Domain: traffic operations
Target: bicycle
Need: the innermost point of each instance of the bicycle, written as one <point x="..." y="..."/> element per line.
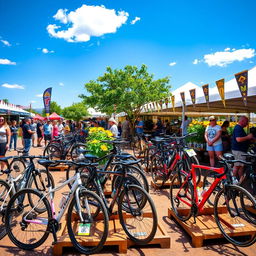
<point x="170" y="155"/>
<point x="59" y="148"/>
<point x="233" y="205"/>
<point x="31" y="177"/>
<point x="28" y="228"/>
<point x="136" y="209"/>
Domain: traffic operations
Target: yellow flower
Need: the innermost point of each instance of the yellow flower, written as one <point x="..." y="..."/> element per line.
<point x="101" y="129"/>
<point x="109" y="133"/>
<point x="104" y="147"/>
<point x="94" y="141"/>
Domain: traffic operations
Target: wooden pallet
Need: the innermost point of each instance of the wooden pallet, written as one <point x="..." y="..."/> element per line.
<point x="58" y="167"/>
<point x="116" y="237"/>
<point x="167" y="184"/>
<point x="206" y="228"/>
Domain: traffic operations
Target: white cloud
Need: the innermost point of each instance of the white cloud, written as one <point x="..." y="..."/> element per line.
<point x="13" y="86"/>
<point x="196" y="61"/>
<point x="85" y="22"/>
<point x="222" y="59"/>
<point x="227" y="49"/>
<point x="61" y="84"/>
<point x="45" y="50"/>
<point x="32" y="101"/>
<point x="39" y="95"/>
<point x="7" y="62"/>
<point x="172" y="64"/>
<point x="135" y="20"/>
<point x="5" y="42"/>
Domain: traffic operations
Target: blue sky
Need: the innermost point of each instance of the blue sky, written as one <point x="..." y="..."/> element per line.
<point x="65" y="43"/>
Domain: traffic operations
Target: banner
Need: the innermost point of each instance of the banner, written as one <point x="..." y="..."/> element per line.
<point x="182" y="95"/>
<point x="206" y="93"/>
<point x="173" y="102"/>
<point x="166" y="102"/>
<point x="47" y="100"/>
<point x="220" y="85"/>
<point x="193" y="96"/>
<point x="161" y="104"/>
<point x="242" y="81"/>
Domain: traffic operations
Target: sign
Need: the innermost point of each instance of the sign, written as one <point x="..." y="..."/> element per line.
<point x="182" y="95"/>
<point x="166" y="102"/>
<point x="193" y="96"/>
<point x="173" y="102"/>
<point x="220" y="85"/>
<point x="47" y="100"/>
<point x="242" y="81"/>
<point x="206" y="93"/>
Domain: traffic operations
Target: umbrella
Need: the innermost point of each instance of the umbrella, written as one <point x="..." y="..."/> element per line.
<point x="38" y="117"/>
<point x="54" y="116"/>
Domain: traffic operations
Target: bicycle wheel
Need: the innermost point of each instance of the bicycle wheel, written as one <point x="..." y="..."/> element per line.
<point x="17" y="166"/>
<point x="5" y="196"/>
<point x="138" y="218"/>
<point x="135" y="172"/>
<point x="231" y="211"/>
<point x="25" y="227"/>
<point x="39" y="181"/>
<point x="209" y="178"/>
<point x="158" y="171"/>
<point x="53" y="152"/>
<point x="75" y="153"/>
<point x="137" y="148"/>
<point x="88" y="235"/>
<point x="188" y="163"/>
<point x="181" y="196"/>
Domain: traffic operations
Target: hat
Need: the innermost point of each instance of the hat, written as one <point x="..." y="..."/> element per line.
<point x="212" y="118"/>
<point x="112" y="120"/>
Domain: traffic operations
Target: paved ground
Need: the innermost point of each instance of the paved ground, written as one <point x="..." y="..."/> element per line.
<point x="180" y="241"/>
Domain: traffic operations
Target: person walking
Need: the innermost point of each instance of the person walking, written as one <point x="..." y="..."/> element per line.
<point x="27" y="136"/>
<point x="14" y="134"/>
<point x="213" y="140"/>
<point x="239" y="144"/>
<point x="47" y="132"/>
<point x="5" y="137"/>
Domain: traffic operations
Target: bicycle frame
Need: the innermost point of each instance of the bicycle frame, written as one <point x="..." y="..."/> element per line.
<point x="208" y="192"/>
<point x="77" y="183"/>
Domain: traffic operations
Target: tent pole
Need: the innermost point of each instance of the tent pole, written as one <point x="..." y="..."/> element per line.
<point x="183" y="118"/>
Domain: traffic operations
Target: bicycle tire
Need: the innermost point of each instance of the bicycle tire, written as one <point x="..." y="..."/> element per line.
<point x="17" y="166"/>
<point x="15" y="210"/>
<point x="73" y="153"/>
<point x="157" y="170"/>
<point x="137" y="173"/>
<point x="53" y="152"/>
<point x="230" y="217"/>
<point x="40" y="188"/>
<point x="72" y="217"/>
<point x="188" y="162"/>
<point x="140" y="213"/>
<point x="181" y="208"/>
<point x="4" y="199"/>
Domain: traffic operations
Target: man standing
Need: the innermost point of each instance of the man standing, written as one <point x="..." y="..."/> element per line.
<point x="184" y="126"/>
<point x="27" y="136"/>
<point x="139" y="126"/>
<point x="47" y="132"/>
<point x="33" y="126"/>
<point x="126" y="129"/>
<point x="113" y="126"/>
<point x="39" y="132"/>
<point x="239" y="145"/>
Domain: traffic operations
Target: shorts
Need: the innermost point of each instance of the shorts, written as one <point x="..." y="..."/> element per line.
<point x="238" y="156"/>
<point x="47" y="137"/>
<point x="2" y="149"/>
<point x="218" y="147"/>
<point x="39" y="135"/>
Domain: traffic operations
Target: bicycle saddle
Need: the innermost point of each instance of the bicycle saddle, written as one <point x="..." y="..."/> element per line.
<point x="4" y="159"/>
<point x="229" y="156"/>
<point x="91" y="157"/>
<point x="47" y="163"/>
<point x="123" y="157"/>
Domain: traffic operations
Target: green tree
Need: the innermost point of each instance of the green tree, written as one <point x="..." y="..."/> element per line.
<point x="54" y="107"/>
<point x="5" y="101"/>
<point x="75" y="112"/>
<point x="125" y="90"/>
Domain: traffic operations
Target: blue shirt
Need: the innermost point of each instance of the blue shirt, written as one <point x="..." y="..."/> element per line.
<point x="139" y="130"/>
<point x="47" y="129"/>
<point x="240" y="146"/>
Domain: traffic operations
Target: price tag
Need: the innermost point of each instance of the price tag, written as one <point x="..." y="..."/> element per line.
<point x="191" y="152"/>
<point x="238" y="225"/>
<point x="84" y="229"/>
<point x="140" y="234"/>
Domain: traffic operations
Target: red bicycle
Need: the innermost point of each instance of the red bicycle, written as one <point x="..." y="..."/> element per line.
<point x="234" y="207"/>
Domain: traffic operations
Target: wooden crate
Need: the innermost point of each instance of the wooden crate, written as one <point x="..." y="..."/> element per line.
<point x="168" y="183"/>
<point x="206" y="228"/>
<point x="58" y="167"/>
<point x="116" y="237"/>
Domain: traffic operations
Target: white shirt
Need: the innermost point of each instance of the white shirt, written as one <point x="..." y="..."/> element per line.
<point x="60" y="128"/>
<point x="114" y="130"/>
<point x="212" y="133"/>
<point x="184" y="126"/>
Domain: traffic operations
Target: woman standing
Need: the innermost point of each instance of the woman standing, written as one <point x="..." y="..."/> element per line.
<point x="55" y="129"/>
<point x="14" y="134"/>
<point x="5" y="137"/>
<point x="213" y="139"/>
